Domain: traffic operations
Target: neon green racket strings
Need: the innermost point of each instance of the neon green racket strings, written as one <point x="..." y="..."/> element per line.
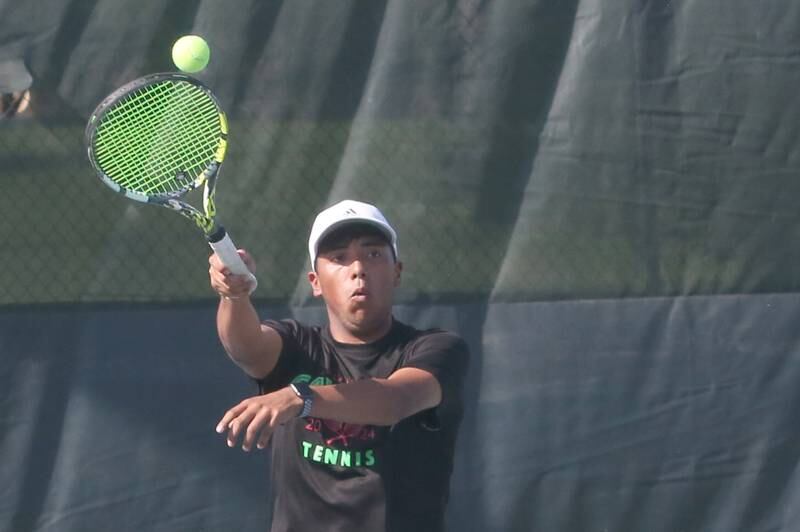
<point x="158" y="138"/>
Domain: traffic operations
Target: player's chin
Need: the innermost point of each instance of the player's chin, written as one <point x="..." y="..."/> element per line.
<point x="367" y="317"/>
<point x="358" y="314"/>
<point x="358" y="304"/>
<point x="368" y="309"/>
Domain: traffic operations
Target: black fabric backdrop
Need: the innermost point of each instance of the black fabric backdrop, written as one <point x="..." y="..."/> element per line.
<point x="599" y="196"/>
<point x="659" y="414"/>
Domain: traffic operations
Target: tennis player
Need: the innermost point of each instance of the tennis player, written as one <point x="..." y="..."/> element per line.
<point x="362" y="414"/>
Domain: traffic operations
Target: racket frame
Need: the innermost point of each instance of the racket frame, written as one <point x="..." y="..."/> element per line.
<point x="206" y="221"/>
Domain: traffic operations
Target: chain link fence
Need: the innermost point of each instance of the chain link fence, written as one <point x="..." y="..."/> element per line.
<point x="513" y="167"/>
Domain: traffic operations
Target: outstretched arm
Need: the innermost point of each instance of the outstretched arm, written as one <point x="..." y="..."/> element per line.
<point x="251" y="345"/>
<point x="366" y="402"/>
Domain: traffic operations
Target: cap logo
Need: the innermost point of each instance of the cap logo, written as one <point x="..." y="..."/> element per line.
<point x="343" y="213"/>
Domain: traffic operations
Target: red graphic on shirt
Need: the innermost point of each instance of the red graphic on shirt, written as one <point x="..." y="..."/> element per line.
<point x="342" y="433"/>
<point x="338" y="434"/>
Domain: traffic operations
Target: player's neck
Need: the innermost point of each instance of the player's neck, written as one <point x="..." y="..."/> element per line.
<point x="345" y="335"/>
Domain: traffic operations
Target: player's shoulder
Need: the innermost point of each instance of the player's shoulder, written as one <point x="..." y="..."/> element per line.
<point x="290" y="328"/>
<point x="435" y="337"/>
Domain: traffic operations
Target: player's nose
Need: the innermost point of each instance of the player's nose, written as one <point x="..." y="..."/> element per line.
<point x="357" y="269"/>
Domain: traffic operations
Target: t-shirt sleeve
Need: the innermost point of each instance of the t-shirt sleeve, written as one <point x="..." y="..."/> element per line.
<point x="446" y="356"/>
<point x="293" y="357"/>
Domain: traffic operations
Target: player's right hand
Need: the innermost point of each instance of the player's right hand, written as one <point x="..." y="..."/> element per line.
<point x="227" y="284"/>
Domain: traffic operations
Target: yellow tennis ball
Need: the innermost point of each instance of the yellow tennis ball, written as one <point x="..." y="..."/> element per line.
<point x="190" y="53"/>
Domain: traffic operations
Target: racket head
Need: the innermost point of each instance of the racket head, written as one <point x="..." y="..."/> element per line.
<point x="157" y="137"/>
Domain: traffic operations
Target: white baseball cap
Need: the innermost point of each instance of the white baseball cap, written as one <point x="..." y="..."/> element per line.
<point x="343" y="213"/>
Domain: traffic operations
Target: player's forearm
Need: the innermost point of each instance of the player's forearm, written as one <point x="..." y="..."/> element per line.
<point x="371" y="401"/>
<point x="239" y="329"/>
<point x="366" y="402"/>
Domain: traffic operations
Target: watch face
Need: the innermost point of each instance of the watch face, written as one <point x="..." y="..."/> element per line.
<point x="302" y="389"/>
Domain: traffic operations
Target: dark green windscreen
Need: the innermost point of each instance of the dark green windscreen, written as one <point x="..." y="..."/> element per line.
<point x="522" y="149"/>
<point x="599" y="197"/>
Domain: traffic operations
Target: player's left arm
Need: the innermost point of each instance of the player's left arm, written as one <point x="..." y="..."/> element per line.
<point x="431" y="377"/>
<point x="370" y="401"/>
<point x="378" y="401"/>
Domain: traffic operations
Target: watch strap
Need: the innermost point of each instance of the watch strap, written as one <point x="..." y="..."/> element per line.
<point x="303" y="391"/>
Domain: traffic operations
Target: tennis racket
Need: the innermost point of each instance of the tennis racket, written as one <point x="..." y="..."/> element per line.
<point x="159" y="137"/>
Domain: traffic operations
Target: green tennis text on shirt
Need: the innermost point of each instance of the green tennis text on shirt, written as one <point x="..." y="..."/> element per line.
<point x="322" y="454"/>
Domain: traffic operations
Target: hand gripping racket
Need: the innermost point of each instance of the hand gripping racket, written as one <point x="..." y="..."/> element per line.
<point x="158" y="137"/>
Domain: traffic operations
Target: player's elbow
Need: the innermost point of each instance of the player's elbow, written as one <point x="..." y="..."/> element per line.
<point x="396" y="413"/>
<point x="257" y="355"/>
<point x="389" y="408"/>
<point x="406" y="403"/>
<point x="413" y="390"/>
<point x="389" y="416"/>
<point x="237" y="356"/>
<point x="256" y="365"/>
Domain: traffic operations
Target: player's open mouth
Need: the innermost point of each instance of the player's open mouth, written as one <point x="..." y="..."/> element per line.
<point x="360" y="294"/>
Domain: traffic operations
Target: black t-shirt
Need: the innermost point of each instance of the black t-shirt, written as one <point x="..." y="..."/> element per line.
<point x="335" y="476"/>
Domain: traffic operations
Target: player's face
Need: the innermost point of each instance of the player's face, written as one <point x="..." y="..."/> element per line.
<point x="357" y="278"/>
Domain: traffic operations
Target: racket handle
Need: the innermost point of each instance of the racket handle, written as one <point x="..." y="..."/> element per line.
<point x="223" y="246"/>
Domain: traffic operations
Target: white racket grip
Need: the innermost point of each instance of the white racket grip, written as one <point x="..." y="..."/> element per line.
<point x="226" y="251"/>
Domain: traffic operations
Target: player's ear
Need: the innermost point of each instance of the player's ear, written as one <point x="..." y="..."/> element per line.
<point x="398" y="270"/>
<point x="313" y="280"/>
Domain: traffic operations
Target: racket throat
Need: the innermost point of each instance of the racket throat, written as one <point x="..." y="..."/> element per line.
<point x="217" y="234"/>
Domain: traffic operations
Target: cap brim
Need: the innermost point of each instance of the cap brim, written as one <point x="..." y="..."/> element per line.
<point x="351" y="221"/>
<point x="386" y="230"/>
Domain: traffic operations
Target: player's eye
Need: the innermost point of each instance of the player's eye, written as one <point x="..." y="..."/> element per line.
<point x="375" y="253"/>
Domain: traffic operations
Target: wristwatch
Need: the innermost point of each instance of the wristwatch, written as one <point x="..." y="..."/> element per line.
<point x="303" y="391"/>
